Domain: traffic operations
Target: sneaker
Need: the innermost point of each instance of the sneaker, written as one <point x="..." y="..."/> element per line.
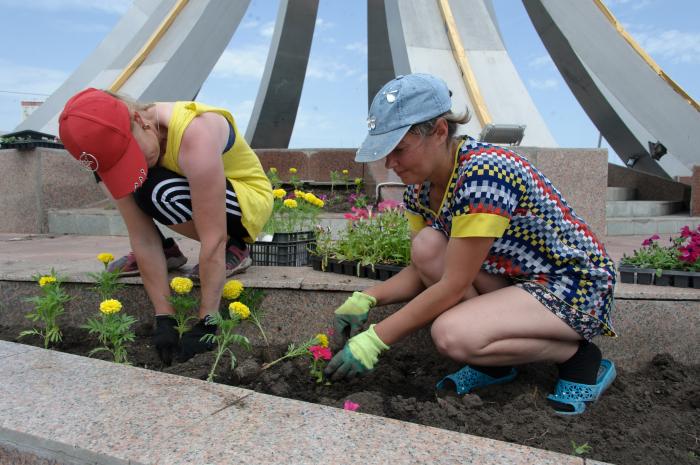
<point x="174" y="259"/>
<point x="237" y="261"/>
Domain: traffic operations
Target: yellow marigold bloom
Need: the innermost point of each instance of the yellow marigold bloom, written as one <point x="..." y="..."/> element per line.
<point x="105" y="257"/>
<point x="310" y="197"/>
<point x="293" y="170"/>
<point x="358" y="181"/>
<point x="232" y="289"/>
<point x="44" y="280"/>
<point x="273" y="170"/>
<point x="110" y="306"/>
<point x="290" y="203"/>
<point x="239" y="309"/>
<point x="322" y="339"/>
<point x="181" y="285"/>
<point x="279" y="193"/>
<point x="345" y="172"/>
<point x="319" y="203"/>
<point x="299" y="194"/>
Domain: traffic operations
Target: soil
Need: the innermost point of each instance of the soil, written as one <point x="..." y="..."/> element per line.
<point x="650" y="416"/>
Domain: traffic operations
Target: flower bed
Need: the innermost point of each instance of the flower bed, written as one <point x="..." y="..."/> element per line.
<point x="647" y="417"/>
<point x="677" y="264"/>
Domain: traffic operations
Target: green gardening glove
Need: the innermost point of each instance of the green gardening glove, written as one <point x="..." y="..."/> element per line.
<point x="353" y="313"/>
<point x="358" y="356"/>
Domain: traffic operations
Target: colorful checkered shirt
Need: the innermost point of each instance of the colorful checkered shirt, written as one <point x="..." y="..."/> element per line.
<point x="494" y="192"/>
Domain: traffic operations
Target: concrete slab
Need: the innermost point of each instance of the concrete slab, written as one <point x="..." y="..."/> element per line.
<point x="79" y="410"/>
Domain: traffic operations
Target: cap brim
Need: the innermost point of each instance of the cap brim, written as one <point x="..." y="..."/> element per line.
<point x="128" y="174"/>
<point x="377" y="146"/>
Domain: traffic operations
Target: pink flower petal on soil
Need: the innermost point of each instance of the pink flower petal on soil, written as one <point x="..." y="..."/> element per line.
<point x="350" y="405"/>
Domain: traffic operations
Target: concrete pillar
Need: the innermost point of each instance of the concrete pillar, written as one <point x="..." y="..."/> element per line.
<point x="276" y="106"/>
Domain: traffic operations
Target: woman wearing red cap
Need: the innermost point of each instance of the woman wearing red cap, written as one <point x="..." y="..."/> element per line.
<point x="501" y="266"/>
<point x="184" y="165"/>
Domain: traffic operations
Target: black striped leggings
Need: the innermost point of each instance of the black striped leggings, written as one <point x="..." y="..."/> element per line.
<point x="165" y="197"/>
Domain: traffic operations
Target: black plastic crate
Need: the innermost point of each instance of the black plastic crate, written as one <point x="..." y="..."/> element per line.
<point x="285" y="249"/>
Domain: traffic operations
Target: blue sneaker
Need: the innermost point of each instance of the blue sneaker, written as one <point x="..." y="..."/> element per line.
<point x="467" y="379"/>
<point x="576" y="395"/>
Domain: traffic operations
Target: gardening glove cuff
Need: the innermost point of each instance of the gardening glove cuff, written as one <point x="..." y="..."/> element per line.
<point x="165" y="338"/>
<point x="366" y="347"/>
<point x="358" y="356"/>
<point x="192" y="343"/>
<point x="353" y="313"/>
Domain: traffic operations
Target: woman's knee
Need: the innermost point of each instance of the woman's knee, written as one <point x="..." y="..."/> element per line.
<point x="427" y="248"/>
<point x="452" y="340"/>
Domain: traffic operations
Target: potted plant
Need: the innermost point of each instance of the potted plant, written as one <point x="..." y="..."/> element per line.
<point x="676" y="264"/>
<point x="289" y="233"/>
<point x="375" y="244"/>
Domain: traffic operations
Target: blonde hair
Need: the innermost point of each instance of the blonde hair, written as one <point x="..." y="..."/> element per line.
<point x="131" y="104"/>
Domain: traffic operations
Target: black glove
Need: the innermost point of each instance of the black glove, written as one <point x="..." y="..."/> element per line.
<point x="165" y="338"/>
<point x="191" y="343"/>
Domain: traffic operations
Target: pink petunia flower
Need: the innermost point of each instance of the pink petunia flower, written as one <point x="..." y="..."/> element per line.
<point x="650" y="241"/>
<point x="350" y="405"/>
<point x="389" y="205"/>
<point x="321" y="352"/>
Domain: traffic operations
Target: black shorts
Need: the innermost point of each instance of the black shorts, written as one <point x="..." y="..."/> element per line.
<point x="165" y="197"/>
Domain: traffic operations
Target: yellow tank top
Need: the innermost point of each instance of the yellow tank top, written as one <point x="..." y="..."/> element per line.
<point x="241" y="166"/>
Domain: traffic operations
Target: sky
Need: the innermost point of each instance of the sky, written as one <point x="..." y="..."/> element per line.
<point x="45" y="40"/>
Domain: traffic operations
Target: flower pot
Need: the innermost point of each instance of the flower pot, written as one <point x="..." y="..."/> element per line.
<point x="627" y="274"/>
<point x="316" y="262"/>
<point x="385" y="271"/>
<point x="665" y="279"/>
<point x="349" y="267"/>
<point x="283" y="249"/>
<point x="369" y="272"/>
<point x="645" y="275"/>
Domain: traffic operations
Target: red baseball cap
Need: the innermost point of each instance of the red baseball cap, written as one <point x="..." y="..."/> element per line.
<point x="96" y="129"/>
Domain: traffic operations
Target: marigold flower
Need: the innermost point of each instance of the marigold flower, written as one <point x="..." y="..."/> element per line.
<point x="345" y="172"/>
<point x="322" y="339"/>
<point x="350" y="405"/>
<point x="239" y="309"/>
<point x="321" y="352"/>
<point x="358" y="181"/>
<point x="110" y="306"/>
<point x="310" y="197"/>
<point x="290" y="203"/>
<point x="273" y="170"/>
<point x="105" y="257"/>
<point x="279" y="193"/>
<point x="181" y="285"/>
<point x="319" y="203"/>
<point x="232" y="289"/>
<point x="293" y="170"/>
<point x="44" y="280"/>
<point x="299" y="194"/>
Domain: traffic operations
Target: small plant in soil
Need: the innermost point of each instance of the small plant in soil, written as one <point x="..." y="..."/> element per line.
<point x="580" y="449"/>
<point x="113" y="330"/>
<point x="294" y="350"/>
<point x="183" y="303"/>
<point x="251" y="298"/>
<point x="48" y="307"/>
<point x="227" y="337"/>
<point x="320" y="354"/>
<point x="316" y="348"/>
<point x="106" y="282"/>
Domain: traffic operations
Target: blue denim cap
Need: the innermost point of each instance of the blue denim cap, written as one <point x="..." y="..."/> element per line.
<point x="401" y="103"/>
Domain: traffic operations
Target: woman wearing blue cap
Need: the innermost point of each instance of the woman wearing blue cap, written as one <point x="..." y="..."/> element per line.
<point x="501" y="266"/>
